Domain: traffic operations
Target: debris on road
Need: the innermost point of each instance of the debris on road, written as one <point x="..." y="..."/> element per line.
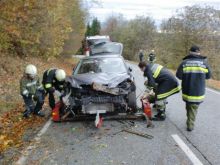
<point x="98" y="147"/>
<point x="150" y="125"/>
<point x="138" y="133"/>
<point x="65" y="115"/>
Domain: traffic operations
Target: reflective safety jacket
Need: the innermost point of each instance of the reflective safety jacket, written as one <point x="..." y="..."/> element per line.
<point x="193" y="71"/>
<point x="29" y="86"/>
<point x="50" y="81"/>
<point x="162" y="80"/>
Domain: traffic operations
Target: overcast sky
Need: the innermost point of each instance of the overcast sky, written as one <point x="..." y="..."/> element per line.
<point x="157" y="9"/>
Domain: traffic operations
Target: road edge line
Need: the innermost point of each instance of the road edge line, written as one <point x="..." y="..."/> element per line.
<point x="186" y="150"/>
<point x="214" y="91"/>
<point x="28" y="150"/>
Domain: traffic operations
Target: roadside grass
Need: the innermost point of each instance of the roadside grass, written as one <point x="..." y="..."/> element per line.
<point x="6" y="106"/>
<point x="215" y="84"/>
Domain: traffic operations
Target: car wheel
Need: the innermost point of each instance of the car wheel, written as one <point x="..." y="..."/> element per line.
<point x="132" y="101"/>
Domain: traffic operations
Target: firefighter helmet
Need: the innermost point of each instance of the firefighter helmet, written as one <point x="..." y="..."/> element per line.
<point x="60" y="74"/>
<point x="31" y="70"/>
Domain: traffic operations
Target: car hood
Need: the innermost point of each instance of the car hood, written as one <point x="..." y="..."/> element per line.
<point x="110" y="79"/>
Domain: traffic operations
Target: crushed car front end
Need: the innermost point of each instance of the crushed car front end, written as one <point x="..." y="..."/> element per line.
<point x="100" y="85"/>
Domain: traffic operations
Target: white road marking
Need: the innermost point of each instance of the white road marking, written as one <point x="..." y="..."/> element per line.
<point x="214" y="91"/>
<point x="187" y="150"/>
<point x="29" y="149"/>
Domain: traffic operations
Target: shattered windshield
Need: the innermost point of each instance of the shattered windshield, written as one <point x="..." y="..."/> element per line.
<point x="101" y="65"/>
<point x="106" y="48"/>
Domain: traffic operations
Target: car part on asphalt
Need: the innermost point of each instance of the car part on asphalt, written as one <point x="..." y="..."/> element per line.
<point x="138" y="133"/>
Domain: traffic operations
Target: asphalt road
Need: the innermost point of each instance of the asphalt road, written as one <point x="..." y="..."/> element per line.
<point x="80" y="143"/>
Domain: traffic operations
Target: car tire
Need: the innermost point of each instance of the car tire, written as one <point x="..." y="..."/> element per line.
<point x="132" y="101"/>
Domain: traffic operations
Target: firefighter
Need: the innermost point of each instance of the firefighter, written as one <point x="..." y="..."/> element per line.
<point x="151" y="57"/>
<point x="163" y="83"/>
<point x="141" y="55"/>
<point x="193" y="71"/>
<point x="32" y="91"/>
<point x="53" y="83"/>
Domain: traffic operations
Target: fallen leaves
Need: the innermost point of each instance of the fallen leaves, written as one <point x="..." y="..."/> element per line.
<point x="13" y="128"/>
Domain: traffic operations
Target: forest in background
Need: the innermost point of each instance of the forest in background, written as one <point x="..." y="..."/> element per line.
<point x="41" y="28"/>
<point x="172" y="40"/>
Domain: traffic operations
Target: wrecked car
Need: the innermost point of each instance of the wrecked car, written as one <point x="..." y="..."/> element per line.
<point x="106" y="48"/>
<point x="100" y="85"/>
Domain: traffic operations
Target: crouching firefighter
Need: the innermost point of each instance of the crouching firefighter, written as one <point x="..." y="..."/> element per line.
<point x="32" y="91"/>
<point x="163" y="83"/>
<point x="53" y="83"/>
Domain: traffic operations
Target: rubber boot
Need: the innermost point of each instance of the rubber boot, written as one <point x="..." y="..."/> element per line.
<point x="39" y="113"/>
<point x="27" y="112"/>
<point x="160" y="116"/>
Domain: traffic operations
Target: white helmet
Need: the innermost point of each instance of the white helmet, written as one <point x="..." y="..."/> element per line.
<point x="31" y="70"/>
<point x="60" y="74"/>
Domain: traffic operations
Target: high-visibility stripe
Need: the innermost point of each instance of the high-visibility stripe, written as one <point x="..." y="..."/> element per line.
<point x="48" y="85"/>
<point x="25" y="92"/>
<point x="31" y="83"/>
<point x="195" y="69"/>
<point x="48" y="71"/>
<point x="40" y="87"/>
<point x="157" y="72"/>
<point x="193" y="98"/>
<point x="164" y="95"/>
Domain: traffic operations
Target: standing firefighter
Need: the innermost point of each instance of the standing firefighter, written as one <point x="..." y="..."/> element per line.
<point x="31" y="91"/>
<point x="163" y="83"/>
<point x="193" y="71"/>
<point x="141" y="55"/>
<point x="53" y="83"/>
<point x="151" y="57"/>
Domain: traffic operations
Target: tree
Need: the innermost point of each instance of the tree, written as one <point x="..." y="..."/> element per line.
<point x="88" y="30"/>
<point x="134" y="34"/>
<point x="191" y="25"/>
<point x="38" y="28"/>
<point x="78" y="19"/>
<point x="95" y="27"/>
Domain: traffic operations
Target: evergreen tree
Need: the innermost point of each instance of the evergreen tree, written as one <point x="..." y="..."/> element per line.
<point x="88" y="30"/>
<point x="95" y="27"/>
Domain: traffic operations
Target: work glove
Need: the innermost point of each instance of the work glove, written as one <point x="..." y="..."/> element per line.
<point x="57" y="93"/>
<point x="25" y="93"/>
<point x="65" y="99"/>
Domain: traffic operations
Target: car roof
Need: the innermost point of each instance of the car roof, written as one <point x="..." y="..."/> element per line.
<point x="103" y="44"/>
<point x="103" y="56"/>
<point x="97" y="37"/>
